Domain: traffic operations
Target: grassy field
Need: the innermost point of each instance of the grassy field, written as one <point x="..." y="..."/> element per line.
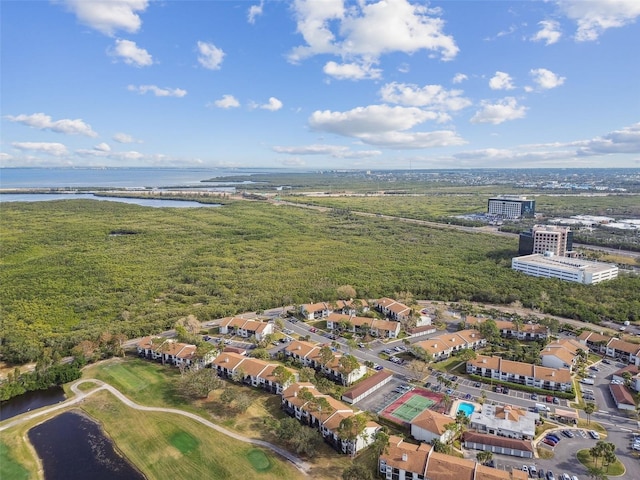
<point x="613" y="470"/>
<point x="9" y="467"/>
<point x="165" y="445"/>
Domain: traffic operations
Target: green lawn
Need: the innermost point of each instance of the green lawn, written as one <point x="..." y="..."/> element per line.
<point x="9" y="468"/>
<point x="614" y="470"/>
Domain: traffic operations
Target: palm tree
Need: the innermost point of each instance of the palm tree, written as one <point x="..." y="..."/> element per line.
<point x="484" y="457"/>
<point x="589" y="408"/>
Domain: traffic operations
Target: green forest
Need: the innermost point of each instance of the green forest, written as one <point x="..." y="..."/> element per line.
<point x="73" y="269"/>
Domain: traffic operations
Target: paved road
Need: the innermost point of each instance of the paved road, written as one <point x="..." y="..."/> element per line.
<point x="80" y="396"/>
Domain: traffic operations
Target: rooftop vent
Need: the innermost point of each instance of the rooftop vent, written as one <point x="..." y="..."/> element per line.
<point x="405" y="457"/>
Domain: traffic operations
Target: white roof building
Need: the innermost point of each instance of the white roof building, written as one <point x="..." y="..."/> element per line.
<point x="564" y="268"/>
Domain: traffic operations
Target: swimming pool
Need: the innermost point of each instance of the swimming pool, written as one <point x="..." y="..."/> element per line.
<point x="467" y="408"/>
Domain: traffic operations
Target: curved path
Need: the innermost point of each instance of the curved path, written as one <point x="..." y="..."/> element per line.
<point x="80" y="396"/>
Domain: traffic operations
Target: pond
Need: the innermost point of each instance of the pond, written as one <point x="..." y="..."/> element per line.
<point x="71" y="446"/>
<point x="30" y="401"/>
<point x="143" y="202"/>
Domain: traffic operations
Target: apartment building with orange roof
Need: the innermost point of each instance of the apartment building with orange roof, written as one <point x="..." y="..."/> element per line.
<point x="407" y="461"/>
<point x="562" y="353"/>
<point x="253" y="371"/>
<point x="302" y="401"/>
<point x="429" y="425"/>
<point x="444" y="345"/>
<point x="309" y="355"/>
<point x="393" y="309"/>
<point x="245" y="328"/>
<point x="172" y="352"/>
<point x="320" y="310"/>
<point x="363" y="325"/>
<point x="499" y="369"/>
<point x="508" y="329"/>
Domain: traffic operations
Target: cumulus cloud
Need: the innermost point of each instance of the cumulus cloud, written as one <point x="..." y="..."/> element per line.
<point x="227" y="101"/>
<point x="255" y="11"/>
<point x="496" y="113"/>
<point x="131" y="54"/>
<point x="49" y="148"/>
<point x="365" y="31"/>
<point x="596" y="16"/>
<point x="459" y="78"/>
<point x="501" y="81"/>
<point x="210" y="56"/>
<point x="549" y="32"/>
<point x="44" y="122"/>
<point x="125" y="138"/>
<point x="157" y="91"/>
<point x="272" y="105"/>
<point x="384" y="125"/>
<point x="626" y="140"/>
<point x="546" y="79"/>
<point x="102" y="147"/>
<point x="108" y="16"/>
<point x="100" y="152"/>
<point x="335" y="151"/>
<point x="433" y="97"/>
<point x="351" y="71"/>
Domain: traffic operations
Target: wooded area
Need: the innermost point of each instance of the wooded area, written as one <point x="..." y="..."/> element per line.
<point x="69" y="273"/>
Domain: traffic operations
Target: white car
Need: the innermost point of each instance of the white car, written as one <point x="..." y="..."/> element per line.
<point x="533" y="470"/>
<point x="525" y="468"/>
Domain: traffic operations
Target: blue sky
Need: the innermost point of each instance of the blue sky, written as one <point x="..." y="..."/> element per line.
<point x="320" y="83"/>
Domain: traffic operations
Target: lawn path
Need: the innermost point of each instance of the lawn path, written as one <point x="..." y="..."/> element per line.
<point x="300" y="464"/>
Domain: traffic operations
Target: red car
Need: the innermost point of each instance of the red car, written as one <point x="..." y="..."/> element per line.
<point x="312" y="329"/>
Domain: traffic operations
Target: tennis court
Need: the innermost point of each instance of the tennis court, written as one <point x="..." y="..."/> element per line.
<point x="410" y="405"/>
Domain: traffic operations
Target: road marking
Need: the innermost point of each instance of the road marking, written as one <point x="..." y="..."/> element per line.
<point x="622" y="429"/>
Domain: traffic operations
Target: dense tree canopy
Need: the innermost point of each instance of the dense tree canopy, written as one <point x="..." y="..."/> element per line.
<point x="66" y="277"/>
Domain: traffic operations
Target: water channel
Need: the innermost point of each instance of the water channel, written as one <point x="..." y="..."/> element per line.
<point x="30" y="401"/>
<point x="72" y="446"/>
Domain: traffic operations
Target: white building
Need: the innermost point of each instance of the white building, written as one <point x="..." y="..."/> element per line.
<point x="564" y="268"/>
<point x="506" y="421"/>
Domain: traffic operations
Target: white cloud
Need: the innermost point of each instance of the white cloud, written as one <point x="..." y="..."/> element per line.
<point x="626" y="140"/>
<point x="365" y="31"/>
<point x="434" y="97"/>
<point x="99" y="152"/>
<point x="44" y="122"/>
<point x="546" y="79"/>
<point x="157" y="91"/>
<point x="595" y="16"/>
<point x="102" y="147"/>
<point x="384" y="125"/>
<point x="370" y="119"/>
<point x="496" y="113"/>
<point x="409" y="140"/>
<point x="335" y="151"/>
<point x="131" y="54"/>
<point x="108" y="16"/>
<point x="351" y="71"/>
<point x="459" y="78"/>
<point x="125" y="138"/>
<point x="273" y="104"/>
<point x="5" y="157"/>
<point x="49" y="148"/>
<point x="227" y="101"/>
<point x="210" y="56"/>
<point x="255" y="11"/>
<point x="501" y="81"/>
<point x="549" y="32"/>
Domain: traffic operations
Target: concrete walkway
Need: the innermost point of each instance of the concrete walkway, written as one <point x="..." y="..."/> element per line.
<point x="301" y="465"/>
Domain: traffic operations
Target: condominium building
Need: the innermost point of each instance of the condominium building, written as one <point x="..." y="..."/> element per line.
<point x="511" y="206"/>
<point x="546" y="238"/>
<point x="564" y="268"/>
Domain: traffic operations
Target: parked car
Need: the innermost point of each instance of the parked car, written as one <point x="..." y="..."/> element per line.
<point x="534" y="397"/>
<point x="554" y="436"/>
<point x="525" y="468"/>
<point x="550" y="475"/>
<point x="574" y="477"/>
<point x="533" y="470"/>
<point x="478" y="385"/>
<point x="549" y="399"/>
<point x="568" y="433"/>
<point x="449" y="391"/>
<point x="377" y="367"/>
<point x="427" y="385"/>
<point x="593" y="434"/>
<point x="361" y="345"/>
<point x="556" y="401"/>
<point x="549" y="442"/>
<point x="541" y="473"/>
<point x="594" y="368"/>
<point x="313" y="329"/>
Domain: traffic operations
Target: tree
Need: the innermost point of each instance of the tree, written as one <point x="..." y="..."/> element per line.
<point x="307" y="374"/>
<point x="283" y="375"/>
<point x="439" y="446"/>
<point x="243" y="402"/>
<point x="346" y="292"/>
<point x="326" y="355"/>
<point x="589" y="408"/>
<point x="351" y="428"/>
<point x="227" y="396"/>
<point x="197" y="383"/>
<point x="357" y="471"/>
<point x="421" y="353"/>
<point x="380" y="443"/>
<point x="484" y="457"/>
<point x="260" y="353"/>
<point x="348" y="363"/>
<point x="467" y="354"/>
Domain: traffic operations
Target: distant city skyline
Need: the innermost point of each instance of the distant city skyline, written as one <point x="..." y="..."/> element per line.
<point x="313" y="84"/>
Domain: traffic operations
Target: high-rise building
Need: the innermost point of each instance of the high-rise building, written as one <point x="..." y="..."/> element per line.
<point x="511" y="206"/>
<point x="546" y="238"/>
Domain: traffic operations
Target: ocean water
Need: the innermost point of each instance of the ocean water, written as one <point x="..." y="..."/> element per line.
<point x="12" y="178"/>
